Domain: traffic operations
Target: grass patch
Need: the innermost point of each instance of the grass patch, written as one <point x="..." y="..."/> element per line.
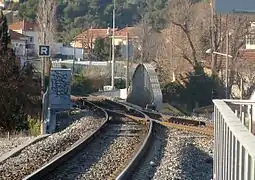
<point x="168" y="108"/>
<point x="34" y="126"/>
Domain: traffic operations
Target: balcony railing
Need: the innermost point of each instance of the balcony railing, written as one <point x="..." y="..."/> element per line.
<point x="234" y="150"/>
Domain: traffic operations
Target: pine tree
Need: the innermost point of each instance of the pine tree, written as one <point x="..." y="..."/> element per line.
<point x="17" y="86"/>
<point x="5" y="39"/>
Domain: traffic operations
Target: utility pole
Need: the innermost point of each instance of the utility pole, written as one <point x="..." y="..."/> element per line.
<point x="241" y="92"/>
<point x="113" y="45"/>
<point x="44" y="21"/>
<point x="74" y="54"/>
<point x="127" y="58"/>
<point x="43" y="85"/>
<point x="43" y="65"/>
<point x="227" y="53"/>
<point x="212" y="37"/>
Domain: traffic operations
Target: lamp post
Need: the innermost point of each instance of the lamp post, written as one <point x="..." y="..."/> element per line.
<point x="43" y="83"/>
<point x="209" y="51"/>
<point x="113" y="44"/>
<point x="74" y="55"/>
<point x="227" y="56"/>
<point x="212" y="5"/>
<point x="127" y="58"/>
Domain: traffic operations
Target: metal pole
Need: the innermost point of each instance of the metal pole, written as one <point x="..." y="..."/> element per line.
<point x="213" y="37"/>
<point x="113" y="44"/>
<point x="43" y="73"/>
<point x="43" y="86"/>
<point x="74" y="54"/>
<point x="127" y="57"/>
<point x="227" y="52"/>
<point x="43" y="66"/>
<point x="241" y="92"/>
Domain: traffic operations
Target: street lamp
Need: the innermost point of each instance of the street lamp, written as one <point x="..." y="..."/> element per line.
<point x="113" y="44"/>
<point x="209" y="51"/>
<point x="74" y="56"/>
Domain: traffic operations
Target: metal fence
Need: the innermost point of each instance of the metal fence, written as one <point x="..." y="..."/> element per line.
<point x="234" y="149"/>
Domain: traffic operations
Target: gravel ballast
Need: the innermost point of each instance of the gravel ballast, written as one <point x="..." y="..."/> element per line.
<point x="34" y="156"/>
<point x="7" y="145"/>
<point x="176" y="154"/>
<point x="106" y="156"/>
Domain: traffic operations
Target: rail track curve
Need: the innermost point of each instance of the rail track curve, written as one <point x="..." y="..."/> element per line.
<point x="122" y="110"/>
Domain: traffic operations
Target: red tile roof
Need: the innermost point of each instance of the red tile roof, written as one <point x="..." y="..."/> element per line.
<point x="102" y="33"/>
<point x="17" y="36"/>
<point x="123" y="32"/>
<point x="248" y="54"/>
<point x="94" y="33"/>
<point x="23" y="25"/>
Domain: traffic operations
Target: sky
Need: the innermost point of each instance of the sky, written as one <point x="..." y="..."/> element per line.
<point x="228" y="5"/>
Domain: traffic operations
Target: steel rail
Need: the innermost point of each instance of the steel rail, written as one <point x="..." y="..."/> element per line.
<point x="66" y="155"/>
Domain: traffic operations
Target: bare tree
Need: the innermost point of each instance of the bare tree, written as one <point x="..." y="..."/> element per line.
<point x="185" y="40"/>
<point x="236" y="27"/>
<point x="46" y="20"/>
<point x="191" y="22"/>
<point x="147" y="41"/>
<point x="87" y="38"/>
<point x="188" y="36"/>
<point x="167" y="61"/>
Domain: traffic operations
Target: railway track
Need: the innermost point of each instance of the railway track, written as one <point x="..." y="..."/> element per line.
<point x="110" y="152"/>
<point x="32" y="157"/>
<point x="107" y="155"/>
<point x="114" y="151"/>
<point x="181" y="123"/>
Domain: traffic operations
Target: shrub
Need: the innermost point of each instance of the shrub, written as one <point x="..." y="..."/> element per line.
<point x="197" y="89"/>
<point x="34" y="126"/>
<point x="172" y="91"/>
<point x="88" y="81"/>
<point x="120" y="83"/>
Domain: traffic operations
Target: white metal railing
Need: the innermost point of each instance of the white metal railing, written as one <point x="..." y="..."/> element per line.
<point x="234" y="142"/>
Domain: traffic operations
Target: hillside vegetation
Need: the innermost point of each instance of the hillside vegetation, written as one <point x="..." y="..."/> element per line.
<point x="76" y="15"/>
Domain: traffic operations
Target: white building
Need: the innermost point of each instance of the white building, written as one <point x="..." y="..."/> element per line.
<point x="250" y="39"/>
<point x="18" y="42"/>
<point x="27" y="29"/>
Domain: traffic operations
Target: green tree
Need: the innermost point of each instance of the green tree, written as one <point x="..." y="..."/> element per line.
<point x="81" y="14"/>
<point x="102" y="48"/>
<point x="199" y="89"/>
<point x="27" y="10"/>
<point x="196" y="89"/>
<point x="17" y="87"/>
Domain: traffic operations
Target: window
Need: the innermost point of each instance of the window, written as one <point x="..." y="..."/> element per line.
<point x="250" y="39"/>
<point x="31" y="39"/>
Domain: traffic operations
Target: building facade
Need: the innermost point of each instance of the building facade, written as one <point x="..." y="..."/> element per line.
<point x="19" y="42"/>
<point x="28" y="29"/>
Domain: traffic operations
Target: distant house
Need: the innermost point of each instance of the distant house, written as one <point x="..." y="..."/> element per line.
<point x="28" y="29"/>
<point x="18" y="42"/>
<point x="250" y="38"/>
<point x="87" y="38"/>
<point x="11" y="16"/>
<point x="121" y="35"/>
